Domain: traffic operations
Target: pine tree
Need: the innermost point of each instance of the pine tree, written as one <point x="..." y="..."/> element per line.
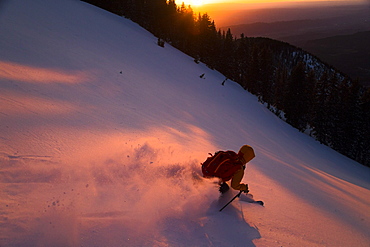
<point x="266" y="77"/>
<point x="348" y="118"/>
<point x="226" y="62"/>
<point x="280" y="89"/>
<point x="206" y="39"/>
<point x="318" y="116"/>
<point x="296" y="102"/>
<point x="310" y="88"/>
<point x="363" y="142"/>
<point x="185" y="26"/>
<point x="254" y="72"/>
<point x="242" y="60"/>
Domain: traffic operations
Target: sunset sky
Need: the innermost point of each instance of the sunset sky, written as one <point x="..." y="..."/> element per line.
<point x="195" y="3"/>
<point x="233" y="12"/>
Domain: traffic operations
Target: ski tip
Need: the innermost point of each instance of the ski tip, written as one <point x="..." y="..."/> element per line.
<point x="259" y="202"/>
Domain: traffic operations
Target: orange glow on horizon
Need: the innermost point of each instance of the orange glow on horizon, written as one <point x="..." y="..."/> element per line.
<point x="199" y="3"/>
<point x="192" y="3"/>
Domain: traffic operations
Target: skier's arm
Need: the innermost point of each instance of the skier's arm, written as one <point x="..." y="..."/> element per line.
<point x="237" y="178"/>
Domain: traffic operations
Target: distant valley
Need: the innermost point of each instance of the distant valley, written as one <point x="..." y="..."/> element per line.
<point x="348" y="53"/>
<point x="338" y="35"/>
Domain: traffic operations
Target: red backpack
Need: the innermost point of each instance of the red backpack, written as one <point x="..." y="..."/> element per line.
<point x="222" y="165"/>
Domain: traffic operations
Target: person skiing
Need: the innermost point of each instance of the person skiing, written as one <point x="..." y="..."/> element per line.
<point x="227" y="165"/>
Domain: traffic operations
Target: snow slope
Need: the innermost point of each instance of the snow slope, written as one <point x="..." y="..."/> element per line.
<point x="102" y="133"/>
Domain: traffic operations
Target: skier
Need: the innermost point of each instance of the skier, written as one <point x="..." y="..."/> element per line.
<point x="227" y="165"/>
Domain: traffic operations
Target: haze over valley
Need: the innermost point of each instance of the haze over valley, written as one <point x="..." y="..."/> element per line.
<point x="307" y="25"/>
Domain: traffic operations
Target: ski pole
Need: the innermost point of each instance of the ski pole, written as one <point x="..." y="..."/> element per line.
<point x="231" y="200"/>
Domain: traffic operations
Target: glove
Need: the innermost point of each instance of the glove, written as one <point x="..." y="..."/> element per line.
<point x="246" y="191"/>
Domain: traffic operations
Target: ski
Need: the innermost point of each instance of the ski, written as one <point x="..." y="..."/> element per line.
<point x="249" y="198"/>
<point x="258" y="202"/>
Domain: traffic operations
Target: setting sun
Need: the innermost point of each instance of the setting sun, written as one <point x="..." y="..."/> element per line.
<point x="191" y="2"/>
<point x="197" y="2"/>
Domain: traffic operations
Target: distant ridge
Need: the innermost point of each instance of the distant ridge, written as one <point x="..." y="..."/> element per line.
<point x="348" y="53"/>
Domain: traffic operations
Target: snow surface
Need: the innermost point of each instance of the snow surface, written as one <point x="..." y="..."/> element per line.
<point x="103" y="132"/>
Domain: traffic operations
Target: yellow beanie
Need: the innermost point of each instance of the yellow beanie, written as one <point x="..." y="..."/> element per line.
<point x="247" y="153"/>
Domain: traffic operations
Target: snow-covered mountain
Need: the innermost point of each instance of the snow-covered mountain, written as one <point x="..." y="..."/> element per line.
<point x="103" y="132"/>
